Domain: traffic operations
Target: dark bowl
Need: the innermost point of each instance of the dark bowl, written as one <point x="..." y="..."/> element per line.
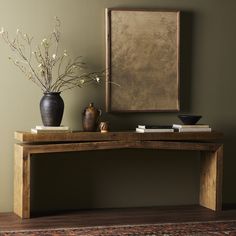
<point x="189" y="119"/>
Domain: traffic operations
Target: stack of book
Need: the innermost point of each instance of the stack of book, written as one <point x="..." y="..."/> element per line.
<point x="191" y="128"/>
<point x="154" y="129"/>
<point x="50" y="129"/>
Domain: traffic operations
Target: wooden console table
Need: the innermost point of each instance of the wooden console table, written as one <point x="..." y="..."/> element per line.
<point x="208" y="143"/>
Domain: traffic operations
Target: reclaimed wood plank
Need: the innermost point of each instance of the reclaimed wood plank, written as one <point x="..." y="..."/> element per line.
<point x="211" y="160"/>
<point x="91" y="146"/>
<point x="211" y="179"/>
<point x="116" y="136"/>
<point x="18" y="180"/>
<point x="21" y="182"/>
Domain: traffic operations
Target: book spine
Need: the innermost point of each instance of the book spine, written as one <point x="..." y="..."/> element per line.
<point x="190" y="126"/>
<point x="36" y="131"/>
<point x="52" y="128"/>
<point x="141" y="126"/>
<point x="194" y="130"/>
<point x="140" y="130"/>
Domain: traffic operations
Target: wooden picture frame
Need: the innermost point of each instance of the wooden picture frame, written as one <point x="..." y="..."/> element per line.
<point x="142" y="60"/>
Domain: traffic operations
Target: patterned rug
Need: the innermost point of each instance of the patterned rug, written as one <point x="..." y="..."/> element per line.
<point x="216" y="228"/>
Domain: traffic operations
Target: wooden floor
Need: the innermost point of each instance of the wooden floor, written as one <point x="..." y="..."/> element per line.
<point x="9" y="221"/>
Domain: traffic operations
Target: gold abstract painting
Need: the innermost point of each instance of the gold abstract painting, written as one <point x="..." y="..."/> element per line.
<point x="142" y="60"/>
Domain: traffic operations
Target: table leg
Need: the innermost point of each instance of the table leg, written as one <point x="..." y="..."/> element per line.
<point x="211" y="179"/>
<point x="21" y="182"/>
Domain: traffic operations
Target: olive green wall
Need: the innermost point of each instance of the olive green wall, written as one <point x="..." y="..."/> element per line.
<point x="124" y="177"/>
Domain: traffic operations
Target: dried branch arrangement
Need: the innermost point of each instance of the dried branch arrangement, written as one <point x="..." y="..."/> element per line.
<point x="49" y="69"/>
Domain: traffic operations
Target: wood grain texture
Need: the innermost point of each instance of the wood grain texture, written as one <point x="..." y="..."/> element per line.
<point x="211" y="167"/>
<point x="21" y="182"/>
<point x="18" y="180"/>
<point x="211" y="179"/>
<point x="122" y="216"/>
<point x="90" y="146"/>
<point x="26" y="186"/>
<point x="117" y="136"/>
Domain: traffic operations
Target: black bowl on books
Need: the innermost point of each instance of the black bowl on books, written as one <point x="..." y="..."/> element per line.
<point x="189" y="119"/>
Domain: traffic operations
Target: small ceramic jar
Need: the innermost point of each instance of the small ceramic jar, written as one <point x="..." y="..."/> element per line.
<point x="90" y="118"/>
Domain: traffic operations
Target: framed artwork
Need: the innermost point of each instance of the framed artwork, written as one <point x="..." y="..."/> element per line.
<point x="142" y="60"/>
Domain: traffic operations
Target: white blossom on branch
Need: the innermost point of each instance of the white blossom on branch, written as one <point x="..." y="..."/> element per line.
<point x="46" y="66"/>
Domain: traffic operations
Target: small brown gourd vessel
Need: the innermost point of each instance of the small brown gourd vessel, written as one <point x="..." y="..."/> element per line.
<point x="90" y="118"/>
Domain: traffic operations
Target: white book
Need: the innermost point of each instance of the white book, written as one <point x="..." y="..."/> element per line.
<point x="41" y="127"/>
<point x="38" y="131"/>
<point x="155" y="127"/>
<point x="194" y="130"/>
<point x="177" y="126"/>
<point x="141" y="126"/>
<point x="140" y="130"/>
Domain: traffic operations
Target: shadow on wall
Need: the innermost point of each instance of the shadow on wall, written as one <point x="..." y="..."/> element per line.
<point x="186" y="59"/>
<point x="186" y="62"/>
<point x="229" y="173"/>
<point x="114" y="178"/>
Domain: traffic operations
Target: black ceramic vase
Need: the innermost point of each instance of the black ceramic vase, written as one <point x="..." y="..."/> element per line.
<point x="51" y="108"/>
